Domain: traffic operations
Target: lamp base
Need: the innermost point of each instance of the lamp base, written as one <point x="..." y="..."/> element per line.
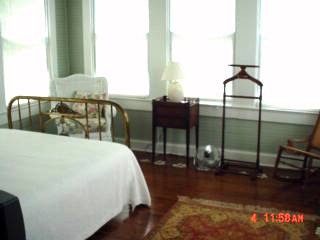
<point x="175" y="92"/>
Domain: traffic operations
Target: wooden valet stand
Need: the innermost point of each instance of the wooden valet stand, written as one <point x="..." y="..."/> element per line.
<point x="226" y="164"/>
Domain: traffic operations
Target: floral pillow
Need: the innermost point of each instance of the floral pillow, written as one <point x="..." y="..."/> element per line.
<point x="92" y="108"/>
<point x="69" y="126"/>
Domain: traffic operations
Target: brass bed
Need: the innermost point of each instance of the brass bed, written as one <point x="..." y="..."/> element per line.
<point x="37" y="106"/>
<point x="101" y="178"/>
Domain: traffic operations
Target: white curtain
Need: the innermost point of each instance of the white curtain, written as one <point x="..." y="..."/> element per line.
<point x="121" y="45"/>
<point x="23" y="36"/>
<point x="202" y="41"/>
<point x="290" y="50"/>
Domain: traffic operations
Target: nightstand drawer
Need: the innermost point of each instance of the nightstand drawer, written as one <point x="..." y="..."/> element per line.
<point x="170" y="122"/>
<point x="170" y="111"/>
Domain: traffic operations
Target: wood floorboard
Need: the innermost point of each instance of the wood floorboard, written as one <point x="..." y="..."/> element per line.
<point x="167" y="183"/>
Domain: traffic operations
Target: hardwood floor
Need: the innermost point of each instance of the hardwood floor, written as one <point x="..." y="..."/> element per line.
<point x="166" y="183"/>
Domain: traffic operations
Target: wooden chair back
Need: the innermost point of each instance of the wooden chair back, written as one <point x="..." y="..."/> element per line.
<point x="315" y="137"/>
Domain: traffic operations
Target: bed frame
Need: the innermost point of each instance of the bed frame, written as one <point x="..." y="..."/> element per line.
<point x="32" y="106"/>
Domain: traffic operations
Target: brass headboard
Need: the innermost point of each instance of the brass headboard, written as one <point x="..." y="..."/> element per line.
<point x="35" y="102"/>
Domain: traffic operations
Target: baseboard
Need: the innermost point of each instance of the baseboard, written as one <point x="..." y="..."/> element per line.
<point x="266" y="159"/>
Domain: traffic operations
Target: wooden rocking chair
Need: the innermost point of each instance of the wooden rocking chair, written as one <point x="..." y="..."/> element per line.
<point x="296" y="154"/>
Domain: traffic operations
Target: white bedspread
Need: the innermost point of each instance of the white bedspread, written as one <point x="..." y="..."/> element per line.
<point x="68" y="188"/>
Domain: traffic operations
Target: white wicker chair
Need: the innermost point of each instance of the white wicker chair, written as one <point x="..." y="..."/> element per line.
<point x="66" y="87"/>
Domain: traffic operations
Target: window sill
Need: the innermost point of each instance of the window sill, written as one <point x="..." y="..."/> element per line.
<point x="214" y="109"/>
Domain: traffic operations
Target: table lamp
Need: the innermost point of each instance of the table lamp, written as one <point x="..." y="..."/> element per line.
<point x="173" y="72"/>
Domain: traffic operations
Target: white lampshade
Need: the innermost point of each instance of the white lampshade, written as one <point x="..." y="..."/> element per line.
<point x="173" y="71"/>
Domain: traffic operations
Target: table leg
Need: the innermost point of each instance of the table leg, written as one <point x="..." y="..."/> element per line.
<point x="164" y="143"/>
<point x="154" y="133"/>
<point x="197" y="138"/>
<point x="188" y="143"/>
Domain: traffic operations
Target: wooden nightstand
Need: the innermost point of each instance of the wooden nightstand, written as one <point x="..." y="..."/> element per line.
<point x="181" y="115"/>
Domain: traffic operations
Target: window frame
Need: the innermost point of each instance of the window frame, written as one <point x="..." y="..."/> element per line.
<point x="51" y="55"/>
<point x="246" y="51"/>
<point x="89" y="39"/>
<point x="232" y="36"/>
<point x="268" y="105"/>
<point x="158" y="36"/>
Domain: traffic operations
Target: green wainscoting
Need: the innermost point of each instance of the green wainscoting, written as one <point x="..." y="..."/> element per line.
<point x="240" y="134"/>
<point x="26" y="124"/>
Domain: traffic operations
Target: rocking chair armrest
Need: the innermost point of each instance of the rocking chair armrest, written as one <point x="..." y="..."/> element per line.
<point x="301" y="152"/>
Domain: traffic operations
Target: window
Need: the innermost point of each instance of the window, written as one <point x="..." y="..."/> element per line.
<point x="290" y="49"/>
<point x="23" y="37"/>
<point x="202" y="33"/>
<point x="121" y="45"/>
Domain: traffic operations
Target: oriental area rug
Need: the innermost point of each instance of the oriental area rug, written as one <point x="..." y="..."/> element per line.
<point x="205" y="220"/>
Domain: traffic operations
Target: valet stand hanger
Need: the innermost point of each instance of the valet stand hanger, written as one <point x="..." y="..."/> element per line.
<point x="226" y="163"/>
